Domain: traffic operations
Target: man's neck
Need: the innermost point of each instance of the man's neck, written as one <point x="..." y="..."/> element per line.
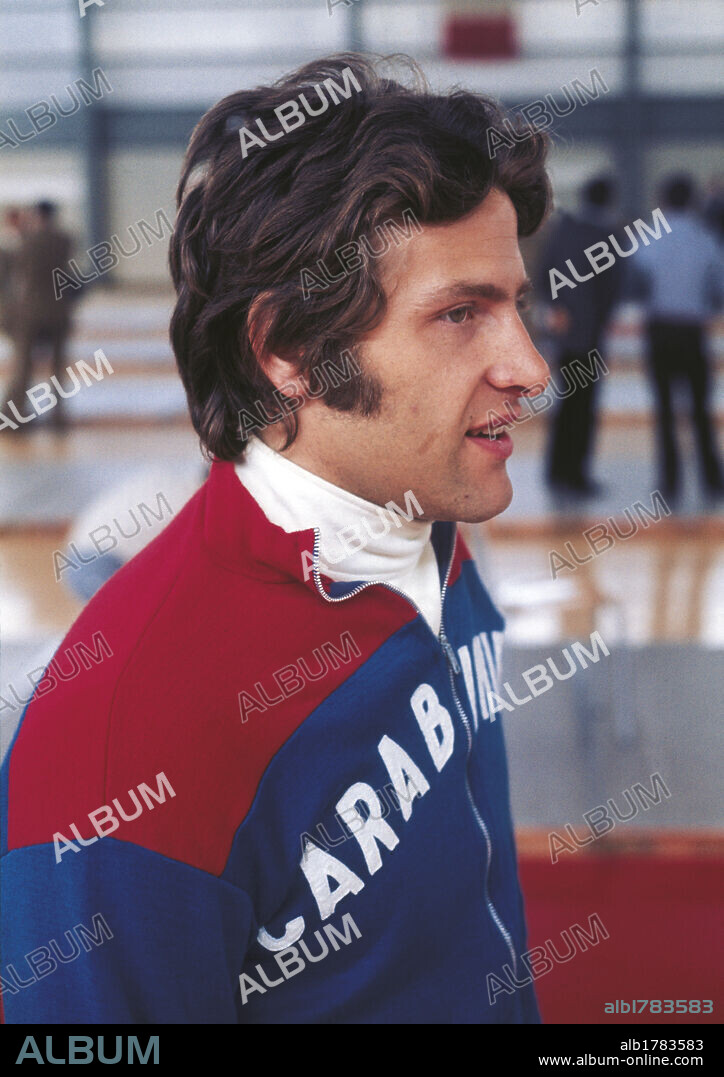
<point x="358" y="540"/>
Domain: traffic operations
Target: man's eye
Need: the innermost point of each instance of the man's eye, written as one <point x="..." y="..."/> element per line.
<point x="524" y="304"/>
<point x="458" y="316"/>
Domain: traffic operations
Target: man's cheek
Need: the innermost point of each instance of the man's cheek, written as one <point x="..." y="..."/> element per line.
<point x="427" y="443"/>
<point x="437" y="437"/>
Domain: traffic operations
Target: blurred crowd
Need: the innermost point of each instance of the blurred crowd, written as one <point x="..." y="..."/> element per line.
<point x="678" y="280"/>
<point x="32" y="246"/>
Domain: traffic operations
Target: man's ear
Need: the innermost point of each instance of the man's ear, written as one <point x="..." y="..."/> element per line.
<point x="279" y="371"/>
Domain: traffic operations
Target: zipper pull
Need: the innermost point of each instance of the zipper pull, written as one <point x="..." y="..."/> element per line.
<point x="449" y="653"/>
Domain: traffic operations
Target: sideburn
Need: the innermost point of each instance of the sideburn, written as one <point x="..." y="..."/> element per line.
<point x="360" y="394"/>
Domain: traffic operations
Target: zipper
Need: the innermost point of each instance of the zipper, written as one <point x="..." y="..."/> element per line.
<point x="453" y="668"/>
<point x="450" y="654"/>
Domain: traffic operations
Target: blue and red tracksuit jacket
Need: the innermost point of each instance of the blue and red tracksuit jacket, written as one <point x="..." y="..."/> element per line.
<point x="324" y="831"/>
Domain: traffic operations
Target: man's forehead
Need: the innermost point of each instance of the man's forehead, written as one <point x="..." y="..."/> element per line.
<point x="491" y="229"/>
<point x="494" y="219"/>
<point x="480" y="248"/>
<point x="487" y="272"/>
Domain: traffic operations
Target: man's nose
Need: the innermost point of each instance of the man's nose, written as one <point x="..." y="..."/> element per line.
<point x="519" y="366"/>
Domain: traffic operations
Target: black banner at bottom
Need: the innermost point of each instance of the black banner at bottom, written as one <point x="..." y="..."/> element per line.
<point x="540" y="1046"/>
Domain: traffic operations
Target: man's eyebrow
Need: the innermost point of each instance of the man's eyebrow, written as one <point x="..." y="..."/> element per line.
<point x="464" y="289"/>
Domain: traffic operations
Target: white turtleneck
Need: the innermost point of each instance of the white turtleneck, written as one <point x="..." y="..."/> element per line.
<point x="358" y="540"/>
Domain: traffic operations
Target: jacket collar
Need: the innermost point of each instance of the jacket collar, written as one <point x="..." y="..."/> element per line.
<point x="240" y="537"/>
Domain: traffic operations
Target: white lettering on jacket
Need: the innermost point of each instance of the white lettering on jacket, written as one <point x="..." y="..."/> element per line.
<point x="329" y="879"/>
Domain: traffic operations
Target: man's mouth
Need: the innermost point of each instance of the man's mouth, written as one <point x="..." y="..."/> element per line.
<point x="493" y="437"/>
<point x="489" y="435"/>
<point x="490" y="431"/>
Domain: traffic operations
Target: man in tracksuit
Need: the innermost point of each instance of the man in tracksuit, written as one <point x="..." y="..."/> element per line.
<point x="263" y="780"/>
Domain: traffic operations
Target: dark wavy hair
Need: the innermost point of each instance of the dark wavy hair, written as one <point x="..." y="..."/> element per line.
<point x="248" y="225"/>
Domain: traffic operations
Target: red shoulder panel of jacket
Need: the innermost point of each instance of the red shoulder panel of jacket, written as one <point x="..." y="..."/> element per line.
<point x="201" y="666"/>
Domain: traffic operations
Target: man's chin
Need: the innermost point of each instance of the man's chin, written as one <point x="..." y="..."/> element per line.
<point x="481" y="505"/>
<point x="495" y="500"/>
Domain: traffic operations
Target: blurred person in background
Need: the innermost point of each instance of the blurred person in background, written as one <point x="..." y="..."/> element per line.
<point x="577" y="318"/>
<point x="682" y="281"/>
<point x="714" y="208"/>
<point x="10" y="239"/>
<point x="40" y="318"/>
